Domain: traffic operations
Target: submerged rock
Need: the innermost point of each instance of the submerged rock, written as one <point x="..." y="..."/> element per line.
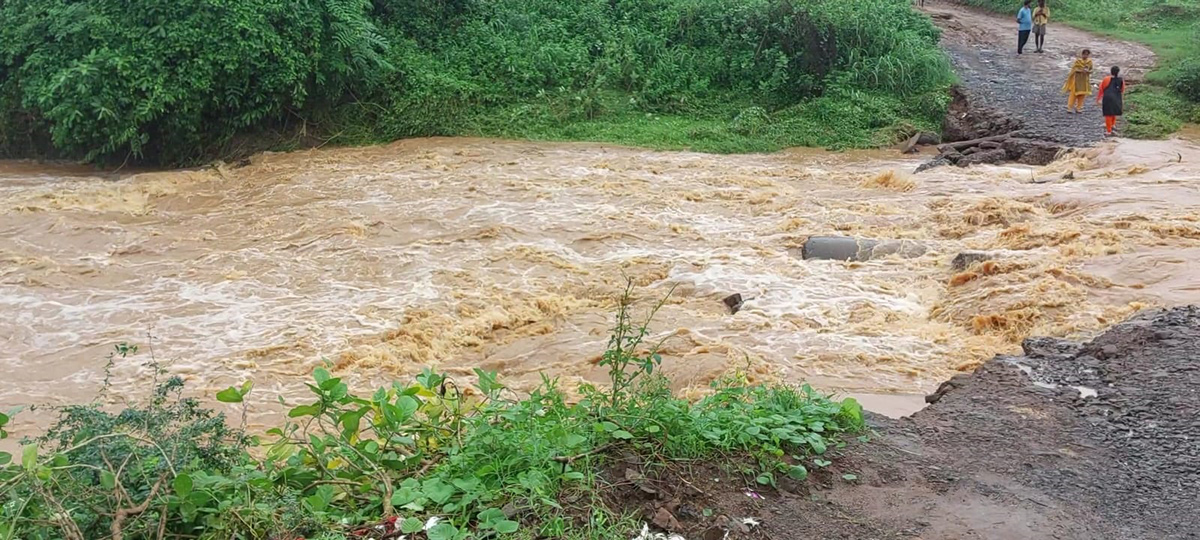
<point x="981" y="157"/>
<point x="845" y="248"/>
<point x="733" y="302"/>
<point x="964" y="260"/>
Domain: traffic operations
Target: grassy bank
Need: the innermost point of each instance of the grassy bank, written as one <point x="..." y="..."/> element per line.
<point x="1170" y="96"/>
<point x="435" y="458"/>
<point x="175" y="81"/>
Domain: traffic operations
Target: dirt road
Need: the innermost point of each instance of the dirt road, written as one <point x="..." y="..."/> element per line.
<point x="1068" y="441"/>
<point x="1027" y="87"/>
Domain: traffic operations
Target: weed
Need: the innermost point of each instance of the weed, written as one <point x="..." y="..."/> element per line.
<point x="429" y="458"/>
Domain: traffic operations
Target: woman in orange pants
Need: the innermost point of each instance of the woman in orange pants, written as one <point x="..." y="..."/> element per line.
<point x="1079" y="83"/>
<point x="1112" y="99"/>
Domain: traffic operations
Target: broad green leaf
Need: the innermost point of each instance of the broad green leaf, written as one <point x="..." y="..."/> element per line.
<point x="798" y="472"/>
<point x="442" y="531"/>
<point x="622" y="434"/>
<point x="849" y="477"/>
<point x="404" y="495"/>
<point x="350" y="424"/>
<point x="305" y="410"/>
<point x="182" y="485"/>
<point x="3" y="419"/>
<point x="437" y="491"/>
<point x="506" y="527"/>
<point x="490" y="516"/>
<point x="5" y="458"/>
<point x="411" y="525"/>
<point x="408" y="405"/>
<point x="229" y="395"/>
<point x="321" y="375"/>
<point x="107" y="480"/>
<point x="818" y="445"/>
<point x="29" y="456"/>
<point x="609" y="426"/>
<point x="246" y="387"/>
<point x="652" y="428"/>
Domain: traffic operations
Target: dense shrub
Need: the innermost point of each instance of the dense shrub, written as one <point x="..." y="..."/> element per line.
<point x="171" y="79"/>
<point x="167" y="77"/>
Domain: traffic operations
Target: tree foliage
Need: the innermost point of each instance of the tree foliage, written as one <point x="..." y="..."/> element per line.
<point x="170" y="80"/>
<point x="167" y="77"/>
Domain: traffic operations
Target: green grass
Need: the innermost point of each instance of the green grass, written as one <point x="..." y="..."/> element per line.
<point x="1170" y="95"/>
<point x="481" y="459"/>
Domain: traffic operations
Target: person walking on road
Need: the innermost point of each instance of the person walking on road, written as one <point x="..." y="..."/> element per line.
<point x="1111" y="99"/>
<point x="1024" y="26"/>
<point x="1079" y="82"/>
<point x="1041" y="16"/>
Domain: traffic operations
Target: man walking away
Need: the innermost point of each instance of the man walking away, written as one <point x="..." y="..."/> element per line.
<point x="1041" y="16"/>
<point x="1024" y="26"/>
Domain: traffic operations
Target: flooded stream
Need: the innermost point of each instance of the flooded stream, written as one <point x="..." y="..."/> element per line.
<point x="458" y="253"/>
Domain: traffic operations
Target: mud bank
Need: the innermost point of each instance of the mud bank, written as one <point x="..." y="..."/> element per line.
<point x="1068" y="440"/>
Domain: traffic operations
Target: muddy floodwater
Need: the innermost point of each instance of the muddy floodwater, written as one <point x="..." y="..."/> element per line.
<point x="458" y="253"/>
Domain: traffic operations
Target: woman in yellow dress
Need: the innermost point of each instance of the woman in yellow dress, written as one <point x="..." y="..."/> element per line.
<point x="1079" y="82"/>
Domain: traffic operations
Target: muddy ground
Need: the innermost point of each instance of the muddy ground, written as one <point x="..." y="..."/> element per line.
<point x="1094" y="440"/>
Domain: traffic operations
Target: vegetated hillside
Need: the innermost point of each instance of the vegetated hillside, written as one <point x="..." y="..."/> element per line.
<point x="175" y="81"/>
<point x="1170" y="27"/>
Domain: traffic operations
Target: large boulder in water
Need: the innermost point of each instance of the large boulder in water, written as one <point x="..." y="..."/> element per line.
<point x="845" y="248"/>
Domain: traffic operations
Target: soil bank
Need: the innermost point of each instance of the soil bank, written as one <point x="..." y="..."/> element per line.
<point x="1067" y="441"/>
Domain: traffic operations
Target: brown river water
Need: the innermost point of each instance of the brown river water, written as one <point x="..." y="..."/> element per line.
<point x="457" y="253"/>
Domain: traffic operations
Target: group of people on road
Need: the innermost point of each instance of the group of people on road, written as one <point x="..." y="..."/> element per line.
<point x="1078" y="85"/>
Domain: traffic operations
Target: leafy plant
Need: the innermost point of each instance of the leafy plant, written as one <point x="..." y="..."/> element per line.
<point x="176" y="81"/>
<point x="427" y="458"/>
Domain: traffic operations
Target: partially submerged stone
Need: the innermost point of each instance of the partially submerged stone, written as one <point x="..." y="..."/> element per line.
<point x="845" y="248"/>
<point x="964" y="260"/>
<point x="734" y="303"/>
<point x="981" y="157"/>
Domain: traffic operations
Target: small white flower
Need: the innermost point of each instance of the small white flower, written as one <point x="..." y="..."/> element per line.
<point x="433" y="521"/>
<point x="750" y="522"/>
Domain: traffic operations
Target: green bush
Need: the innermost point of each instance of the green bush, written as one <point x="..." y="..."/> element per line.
<point x="173" y="80"/>
<point x="425" y="456"/>
<point x="170" y="78"/>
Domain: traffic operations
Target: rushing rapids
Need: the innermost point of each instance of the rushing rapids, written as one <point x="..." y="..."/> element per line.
<point x="459" y="253"/>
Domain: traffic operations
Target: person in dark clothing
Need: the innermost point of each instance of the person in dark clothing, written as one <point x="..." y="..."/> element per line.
<point x="1112" y="99"/>
<point x="1024" y="26"/>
